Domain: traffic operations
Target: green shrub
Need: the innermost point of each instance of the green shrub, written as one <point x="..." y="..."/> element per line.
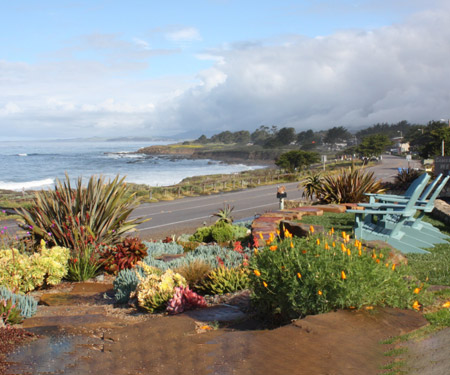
<point x="202" y="234"/>
<point x="224" y="280"/>
<point x="239" y="232"/>
<point x="82" y="216"/>
<point x="222" y="232"/>
<point x="302" y="276"/>
<point x="21" y="272"/>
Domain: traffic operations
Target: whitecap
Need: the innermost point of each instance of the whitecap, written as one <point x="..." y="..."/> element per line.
<point x="26" y="185"/>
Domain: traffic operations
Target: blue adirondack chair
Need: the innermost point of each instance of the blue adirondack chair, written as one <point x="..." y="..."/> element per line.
<point x="415" y="227"/>
<point x="374" y="197"/>
<point x="372" y="224"/>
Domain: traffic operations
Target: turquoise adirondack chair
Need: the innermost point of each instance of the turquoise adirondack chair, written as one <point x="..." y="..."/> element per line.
<point x="374" y="197"/>
<point x="416" y="227"/>
<point x="371" y="224"/>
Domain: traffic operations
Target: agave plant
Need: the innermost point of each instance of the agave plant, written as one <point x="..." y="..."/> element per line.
<point x="349" y="186"/>
<point x="224" y="214"/>
<point x="311" y="185"/>
<point x="82" y="216"/>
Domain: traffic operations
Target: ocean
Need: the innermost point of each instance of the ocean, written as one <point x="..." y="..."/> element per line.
<point x="33" y="165"/>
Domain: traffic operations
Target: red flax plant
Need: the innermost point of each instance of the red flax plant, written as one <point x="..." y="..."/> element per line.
<point x="83" y="217"/>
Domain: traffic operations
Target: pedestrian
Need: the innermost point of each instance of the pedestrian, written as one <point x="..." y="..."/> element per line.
<point x="281" y="195"/>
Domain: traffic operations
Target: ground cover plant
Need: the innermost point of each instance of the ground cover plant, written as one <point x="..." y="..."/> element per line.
<point x="294" y="277"/>
<point x="434" y="267"/>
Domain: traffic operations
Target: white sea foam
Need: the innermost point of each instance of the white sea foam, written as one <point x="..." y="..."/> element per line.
<point x="27" y="185"/>
<point x="22" y="154"/>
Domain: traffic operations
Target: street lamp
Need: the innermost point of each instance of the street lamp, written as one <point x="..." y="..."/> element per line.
<point x="443" y="142"/>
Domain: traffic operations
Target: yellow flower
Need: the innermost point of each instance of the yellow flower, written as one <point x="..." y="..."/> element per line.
<point x="299" y="275"/>
<point x="326" y="246"/>
<point x="311" y="229"/>
<point x="257" y="273"/>
<point x="343" y="248"/>
<point x="349" y="252"/>
<point x="377" y="260"/>
<point x="369" y="307"/>
<point x="261" y="235"/>
<point x="273" y="248"/>
<point x="292" y="245"/>
<point x="265" y="284"/>
<point x="343" y="275"/>
<point x="417" y="290"/>
<point x="332" y="230"/>
<point x="318" y="242"/>
<point x="446" y="304"/>
<point x="271" y="236"/>
<point x="381" y="255"/>
<point x="278" y="232"/>
<point x="333" y="244"/>
<point x="344" y="235"/>
<point x="393" y="267"/>
<point x="255" y="251"/>
<point x="416" y="305"/>
<point x="287" y="234"/>
<point x="319" y="293"/>
<point x="359" y="252"/>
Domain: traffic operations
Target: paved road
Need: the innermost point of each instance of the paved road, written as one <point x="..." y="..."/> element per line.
<point x="184" y="215"/>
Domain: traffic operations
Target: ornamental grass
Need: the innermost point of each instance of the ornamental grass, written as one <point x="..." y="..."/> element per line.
<point x="295" y="277"/>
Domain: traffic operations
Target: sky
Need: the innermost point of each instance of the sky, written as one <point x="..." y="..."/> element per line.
<point x="86" y="68"/>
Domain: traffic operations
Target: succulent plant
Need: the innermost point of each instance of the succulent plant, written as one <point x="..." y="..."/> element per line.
<point x="184" y="299"/>
<point x="125" y="283"/>
<point x="26" y="304"/>
<point x="155" y="289"/>
<point x="9" y="313"/>
<point x="224" y="214"/>
<point x="124" y="255"/>
<point x="225" y="280"/>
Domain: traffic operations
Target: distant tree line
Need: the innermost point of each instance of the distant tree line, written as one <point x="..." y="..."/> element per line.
<point x="425" y="140"/>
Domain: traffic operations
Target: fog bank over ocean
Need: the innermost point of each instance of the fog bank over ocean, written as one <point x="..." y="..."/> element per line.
<point x="36" y="164"/>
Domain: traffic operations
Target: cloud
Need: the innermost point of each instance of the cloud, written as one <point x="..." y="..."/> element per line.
<point x="351" y="78"/>
<point x="183" y="34"/>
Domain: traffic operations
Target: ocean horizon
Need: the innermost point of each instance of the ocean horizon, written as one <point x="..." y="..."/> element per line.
<point x="35" y="165"/>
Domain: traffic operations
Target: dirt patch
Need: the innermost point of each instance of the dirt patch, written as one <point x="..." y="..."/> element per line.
<point x="429" y="356"/>
<point x="87" y="334"/>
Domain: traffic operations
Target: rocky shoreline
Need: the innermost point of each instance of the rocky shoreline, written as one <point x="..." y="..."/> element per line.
<point x="231" y="156"/>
